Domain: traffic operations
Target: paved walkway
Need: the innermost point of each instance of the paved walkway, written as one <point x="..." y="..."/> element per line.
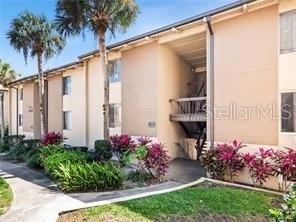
<point x="37" y="199"/>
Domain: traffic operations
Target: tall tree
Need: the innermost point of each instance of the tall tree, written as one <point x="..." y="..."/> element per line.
<point x="34" y="35"/>
<point x="7" y="74"/>
<point x="73" y="17"/>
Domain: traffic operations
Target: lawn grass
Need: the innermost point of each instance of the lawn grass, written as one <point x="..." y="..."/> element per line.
<point x="5" y="196"/>
<point x="187" y="203"/>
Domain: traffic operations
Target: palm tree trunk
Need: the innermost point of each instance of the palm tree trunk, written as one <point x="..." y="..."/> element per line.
<point x="41" y="94"/>
<point x="2" y="114"/>
<point x="104" y="65"/>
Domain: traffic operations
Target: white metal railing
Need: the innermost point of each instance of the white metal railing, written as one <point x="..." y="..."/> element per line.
<point x="188" y="109"/>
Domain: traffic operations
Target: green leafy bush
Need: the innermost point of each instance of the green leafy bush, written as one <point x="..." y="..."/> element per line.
<point x="94" y="176"/>
<point x="50" y="150"/>
<point x="52" y="162"/>
<point x="30" y="144"/>
<point x="13" y="141"/>
<point x="17" y="154"/>
<point x="34" y="161"/>
<point x="287" y="211"/>
<point x="103" y="150"/>
<point x="3" y="147"/>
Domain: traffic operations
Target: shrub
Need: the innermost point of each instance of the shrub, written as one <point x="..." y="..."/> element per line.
<point x="103" y="150"/>
<point x="50" y="150"/>
<point x="17" y="154"/>
<point x="157" y="160"/>
<point x="13" y="141"/>
<point x="88" y="176"/>
<point x="285" y="165"/>
<point x="29" y="144"/>
<point x="122" y="146"/>
<point x="287" y="211"/>
<point x="33" y="159"/>
<point x="213" y="165"/>
<point x="231" y="158"/>
<point x="260" y="166"/>
<point x="138" y="177"/>
<point x="52" y="138"/>
<point x="3" y="147"/>
<point x="51" y="162"/>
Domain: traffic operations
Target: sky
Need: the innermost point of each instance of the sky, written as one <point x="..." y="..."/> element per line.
<point x="154" y="14"/>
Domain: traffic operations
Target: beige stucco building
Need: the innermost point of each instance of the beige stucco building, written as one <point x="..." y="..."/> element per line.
<point x="239" y="60"/>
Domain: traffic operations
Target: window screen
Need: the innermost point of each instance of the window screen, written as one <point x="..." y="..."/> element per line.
<point x="115" y="70"/>
<point x="288" y="32"/>
<point x="288" y="112"/>
<point x="114" y="115"/>
<point x="67" y="85"/>
<point x="67" y="120"/>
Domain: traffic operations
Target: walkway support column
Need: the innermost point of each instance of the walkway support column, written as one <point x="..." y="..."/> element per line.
<point x="210" y="83"/>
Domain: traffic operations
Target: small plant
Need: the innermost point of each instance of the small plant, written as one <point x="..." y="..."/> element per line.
<point x="287" y="211"/>
<point x="103" y="150"/>
<point x="157" y="160"/>
<point x="33" y="159"/>
<point x="29" y="144"/>
<point x="122" y="147"/>
<point x="50" y="150"/>
<point x="13" y="141"/>
<point x="138" y="177"/>
<point x="52" y="138"/>
<point x="285" y="165"/>
<point x="212" y="163"/>
<point x="260" y="166"/>
<point x="77" y="176"/>
<point x="231" y="158"/>
<point x="53" y="161"/>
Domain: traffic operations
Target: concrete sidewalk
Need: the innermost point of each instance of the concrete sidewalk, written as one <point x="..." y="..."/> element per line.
<point x="37" y="199"/>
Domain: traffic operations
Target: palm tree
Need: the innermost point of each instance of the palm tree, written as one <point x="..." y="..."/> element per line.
<point x="34" y="35"/>
<point x="98" y="16"/>
<point x="7" y="74"/>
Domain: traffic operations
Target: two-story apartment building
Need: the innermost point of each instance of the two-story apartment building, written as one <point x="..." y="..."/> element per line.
<point x="239" y="59"/>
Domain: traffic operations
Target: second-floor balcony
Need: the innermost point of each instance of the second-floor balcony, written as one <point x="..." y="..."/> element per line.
<point x="191" y="109"/>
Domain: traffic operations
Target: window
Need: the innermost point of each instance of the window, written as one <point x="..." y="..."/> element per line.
<point x="67" y="85"/>
<point x="288" y="32"/>
<point x="67" y="120"/>
<point x="288" y="112"/>
<point x="21" y="94"/>
<point x="115" y="70"/>
<point x="114" y="118"/>
<point x="20" y="120"/>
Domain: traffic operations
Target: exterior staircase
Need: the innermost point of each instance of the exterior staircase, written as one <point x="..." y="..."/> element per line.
<point x="190" y="114"/>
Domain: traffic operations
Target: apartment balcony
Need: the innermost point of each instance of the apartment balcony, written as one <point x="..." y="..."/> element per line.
<point x="191" y="109"/>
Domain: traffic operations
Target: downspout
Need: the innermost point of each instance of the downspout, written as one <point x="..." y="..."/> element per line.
<point x="210" y="84"/>
<point x="17" y="108"/>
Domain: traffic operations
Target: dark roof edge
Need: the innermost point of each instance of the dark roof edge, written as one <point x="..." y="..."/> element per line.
<point x="35" y="76"/>
<point x="156" y="31"/>
<point x="174" y="25"/>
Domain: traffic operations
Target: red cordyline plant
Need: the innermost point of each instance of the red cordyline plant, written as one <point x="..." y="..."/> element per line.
<point x="144" y="140"/>
<point x="260" y="165"/>
<point x="52" y="138"/>
<point x="231" y="159"/>
<point x="157" y="160"/>
<point x="285" y="165"/>
<point x="122" y="146"/>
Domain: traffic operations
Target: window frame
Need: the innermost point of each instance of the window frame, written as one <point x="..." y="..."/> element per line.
<point x="116" y="119"/>
<point x="117" y="63"/>
<point x="294" y="113"/>
<point x="67" y="85"/>
<point x="20" y="120"/>
<point x="21" y="94"/>
<point x="293" y="47"/>
<point x="67" y="126"/>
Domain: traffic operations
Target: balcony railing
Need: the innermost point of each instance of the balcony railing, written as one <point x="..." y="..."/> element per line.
<point x="188" y="109"/>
